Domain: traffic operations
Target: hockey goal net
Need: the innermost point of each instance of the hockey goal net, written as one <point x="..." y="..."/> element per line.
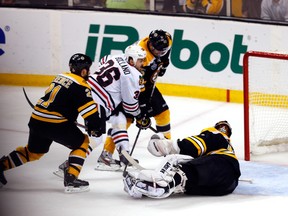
<point x="265" y="79"/>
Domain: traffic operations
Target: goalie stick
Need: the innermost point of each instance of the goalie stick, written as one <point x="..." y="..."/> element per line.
<point x="132" y="161"/>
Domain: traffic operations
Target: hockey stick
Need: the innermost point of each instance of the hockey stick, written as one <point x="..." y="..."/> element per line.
<point x="131" y="161"/>
<point x="126" y="153"/>
<point x="153" y="129"/>
<point x="28" y="100"/>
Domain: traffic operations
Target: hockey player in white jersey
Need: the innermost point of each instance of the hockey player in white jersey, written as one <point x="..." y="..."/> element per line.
<point x="116" y="87"/>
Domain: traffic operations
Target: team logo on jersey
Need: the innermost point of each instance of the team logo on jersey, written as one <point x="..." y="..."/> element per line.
<point x="141" y="80"/>
<point x="154" y="66"/>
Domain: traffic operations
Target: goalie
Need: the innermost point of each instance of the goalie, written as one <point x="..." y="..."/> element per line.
<point x="203" y="164"/>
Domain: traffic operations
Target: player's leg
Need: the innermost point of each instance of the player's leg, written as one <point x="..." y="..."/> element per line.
<point x="161" y="114"/>
<point x="163" y="123"/>
<point x="75" y="163"/>
<point x="69" y="135"/>
<point x="37" y="146"/>
<point x="106" y="161"/>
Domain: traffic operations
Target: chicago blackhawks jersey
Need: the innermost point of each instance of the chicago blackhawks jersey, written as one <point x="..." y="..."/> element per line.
<point x="116" y="83"/>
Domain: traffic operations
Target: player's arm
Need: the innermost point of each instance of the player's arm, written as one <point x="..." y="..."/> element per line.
<point x="130" y="91"/>
<point x="88" y="109"/>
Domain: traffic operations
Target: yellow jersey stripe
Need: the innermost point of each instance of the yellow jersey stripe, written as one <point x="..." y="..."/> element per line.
<point x="198" y="143"/>
<point x="50" y="120"/>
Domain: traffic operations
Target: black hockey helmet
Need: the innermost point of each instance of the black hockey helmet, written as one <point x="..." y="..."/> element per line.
<point x="227" y="130"/>
<point x="159" y="39"/>
<point x="78" y="62"/>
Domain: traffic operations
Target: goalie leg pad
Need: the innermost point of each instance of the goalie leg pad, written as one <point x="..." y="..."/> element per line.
<point x="164" y="173"/>
<point x="159" y="191"/>
<point x="160" y="183"/>
<point x="151" y="190"/>
<point x="129" y="187"/>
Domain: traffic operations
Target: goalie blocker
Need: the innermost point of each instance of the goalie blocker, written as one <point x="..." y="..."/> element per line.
<point x="203" y="164"/>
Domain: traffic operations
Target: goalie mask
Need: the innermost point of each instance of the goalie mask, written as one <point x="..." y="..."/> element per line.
<point x="224" y="127"/>
<point x="78" y="62"/>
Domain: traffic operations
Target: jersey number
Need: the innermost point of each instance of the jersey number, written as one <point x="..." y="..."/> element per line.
<point x="52" y="91"/>
<point x="107" y="73"/>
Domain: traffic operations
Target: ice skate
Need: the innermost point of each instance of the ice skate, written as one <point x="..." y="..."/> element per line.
<point x="61" y="168"/>
<point x="106" y="162"/>
<point x="73" y="184"/>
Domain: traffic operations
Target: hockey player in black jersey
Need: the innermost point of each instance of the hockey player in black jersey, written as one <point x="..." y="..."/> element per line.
<point x="203" y="164"/>
<point x="158" y="47"/>
<point x="53" y="119"/>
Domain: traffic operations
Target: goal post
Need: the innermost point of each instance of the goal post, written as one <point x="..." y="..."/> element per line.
<point x="265" y="87"/>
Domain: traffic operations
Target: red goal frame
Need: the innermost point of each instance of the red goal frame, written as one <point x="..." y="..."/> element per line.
<point x="248" y="54"/>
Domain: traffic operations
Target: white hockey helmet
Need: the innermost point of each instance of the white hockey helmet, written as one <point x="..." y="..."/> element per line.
<point x="135" y="52"/>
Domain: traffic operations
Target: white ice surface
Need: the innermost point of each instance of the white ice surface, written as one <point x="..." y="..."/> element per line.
<point x="33" y="190"/>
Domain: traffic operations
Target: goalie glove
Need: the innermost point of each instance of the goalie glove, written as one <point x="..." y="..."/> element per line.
<point x="160" y="146"/>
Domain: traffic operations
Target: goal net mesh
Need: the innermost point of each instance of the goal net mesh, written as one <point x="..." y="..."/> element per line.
<point x="266" y="92"/>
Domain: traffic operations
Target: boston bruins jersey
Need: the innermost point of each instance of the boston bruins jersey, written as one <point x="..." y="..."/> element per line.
<point x="152" y="64"/>
<point x="115" y="84"/>
<point x="209" y="141"/>
<point x="67" y="96"/>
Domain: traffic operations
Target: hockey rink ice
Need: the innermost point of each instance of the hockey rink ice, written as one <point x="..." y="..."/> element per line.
<point x="33" y="190"/>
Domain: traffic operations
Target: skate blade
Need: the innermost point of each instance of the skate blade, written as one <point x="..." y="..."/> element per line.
<point x="71" y="189"/>
<point x="59" y="173"/>
<point x="104" y="167"/>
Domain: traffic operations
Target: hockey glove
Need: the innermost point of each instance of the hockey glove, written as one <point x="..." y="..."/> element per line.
<point x="143" y="123"/>
<point x="92" y="130"/>
<point x="96" y="126"/>
<point x="162" y="71"/>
